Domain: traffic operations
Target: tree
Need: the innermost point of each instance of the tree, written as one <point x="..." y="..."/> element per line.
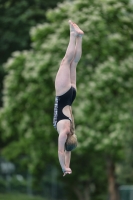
<point x="104" y="101"/>
<point x="16" y="19"/>
<point x="109" y="108"/>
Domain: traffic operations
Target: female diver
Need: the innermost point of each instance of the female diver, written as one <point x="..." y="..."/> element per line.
<point x="65" y="86"/>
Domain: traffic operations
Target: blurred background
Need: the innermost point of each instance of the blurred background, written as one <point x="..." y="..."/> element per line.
<point x="33" y="39"/>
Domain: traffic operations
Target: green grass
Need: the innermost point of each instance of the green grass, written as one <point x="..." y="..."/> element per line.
<point x="18" y="197"/>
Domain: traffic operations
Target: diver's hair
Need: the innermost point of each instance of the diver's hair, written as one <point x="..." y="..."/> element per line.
<point x="71" y="142"/>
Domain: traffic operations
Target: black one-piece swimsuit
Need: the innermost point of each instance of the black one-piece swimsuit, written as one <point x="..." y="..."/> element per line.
<point x="60" y="103"/>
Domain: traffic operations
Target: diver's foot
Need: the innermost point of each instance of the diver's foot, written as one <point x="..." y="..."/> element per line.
<point x="72" y="29"/>
<point x="75" y="28"/>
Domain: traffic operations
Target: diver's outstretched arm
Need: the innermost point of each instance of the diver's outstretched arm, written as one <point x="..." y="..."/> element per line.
<point x="67" y="162"/>
<point x="61" y="153"/>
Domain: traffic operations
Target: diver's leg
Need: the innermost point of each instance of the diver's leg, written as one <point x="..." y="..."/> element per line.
<point x="78" y="53"/>
<point x="63" y="81"/>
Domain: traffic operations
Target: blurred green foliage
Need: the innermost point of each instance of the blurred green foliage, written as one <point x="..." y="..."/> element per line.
<point x="16" y="19"/>
<point x="19" y="197"/>
<point x="103" y="107"/>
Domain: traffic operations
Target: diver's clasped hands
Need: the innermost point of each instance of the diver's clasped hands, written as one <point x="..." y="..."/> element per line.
<point x="66" y="171"/>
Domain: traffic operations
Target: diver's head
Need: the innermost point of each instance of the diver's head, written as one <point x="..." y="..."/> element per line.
<point x="71" y="142"/>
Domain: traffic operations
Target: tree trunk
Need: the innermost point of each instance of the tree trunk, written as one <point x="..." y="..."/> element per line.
<point x="84" y="193"/>
<point x="112" y="186"/>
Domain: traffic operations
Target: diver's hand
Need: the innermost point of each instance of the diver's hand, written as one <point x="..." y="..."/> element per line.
<point x="67" y="171"/>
